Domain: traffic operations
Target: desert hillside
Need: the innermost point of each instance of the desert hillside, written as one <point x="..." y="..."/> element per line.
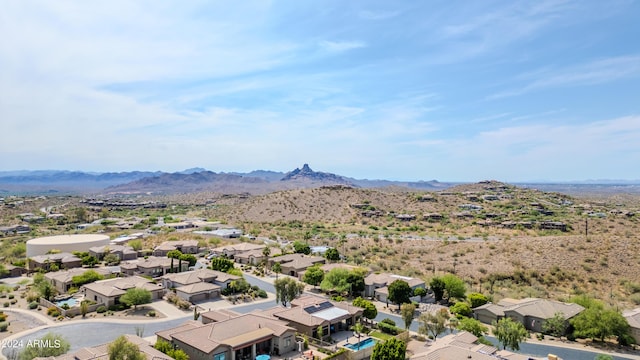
<point x="514" y="241"/>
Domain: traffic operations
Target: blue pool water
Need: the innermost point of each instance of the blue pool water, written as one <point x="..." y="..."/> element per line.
<point x="369" y="342"/>
<point x="70" y="301"/>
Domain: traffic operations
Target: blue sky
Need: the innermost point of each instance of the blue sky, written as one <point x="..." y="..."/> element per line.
<point x="402" y="90"/>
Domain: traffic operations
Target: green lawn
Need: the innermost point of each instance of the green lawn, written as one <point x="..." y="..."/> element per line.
<point x="380" y="335"/>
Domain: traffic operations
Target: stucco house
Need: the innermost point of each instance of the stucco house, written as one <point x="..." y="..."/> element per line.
<point x="152" y="266"/>
<point x="102" y="351"/>
<point x="232" y="250"/>
<point x="255" y="257"/>
<point x="61" y="260"/>
<point x="123" y="252"/>
<point x="63" y="280"/>
<point x="307" y="313"/>
<point x="530" y="312"/>
<point x="198" y="285"/>
<point x="237" y="338"/>
<point x="184" y="246"/>
<point x="375" y="285"/>
<point x="633" y="318"/>
<point x="295" y="264"/>
<point x="108" y="292"/>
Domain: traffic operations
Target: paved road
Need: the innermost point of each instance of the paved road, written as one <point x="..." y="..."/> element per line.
<point x="528" y="348"/>
<point x="94" y="333"/>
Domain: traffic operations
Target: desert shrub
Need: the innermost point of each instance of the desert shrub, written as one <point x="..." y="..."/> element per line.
<point x="33" y="305"/>
<point x="11" y="296"/>
<point x="3" y="326"/>
<point x="101" y="309"/>
<point x="16" y="288"/>
<point x="3" y="316"/>
<point x="51" y="310"/>
<point x="14" y="301"/>
<point x="65" y="306"/>
<point x="151" y="313"/>
<point x="33" y="296"/>
<point x="183" y="304"/>
<point x="262" y="293"/>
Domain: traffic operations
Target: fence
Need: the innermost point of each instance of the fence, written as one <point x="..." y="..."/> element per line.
<point x="71" y="312"/>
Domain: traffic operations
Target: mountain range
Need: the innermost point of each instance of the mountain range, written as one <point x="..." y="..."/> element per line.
<point x="254" y="182"/>
<point x="187" y="181"/>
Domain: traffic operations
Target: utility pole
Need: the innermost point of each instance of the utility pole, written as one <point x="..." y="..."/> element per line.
<point x="586" y="229"/>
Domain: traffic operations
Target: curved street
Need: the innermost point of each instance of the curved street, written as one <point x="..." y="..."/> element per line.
<point x="91" y="332"/>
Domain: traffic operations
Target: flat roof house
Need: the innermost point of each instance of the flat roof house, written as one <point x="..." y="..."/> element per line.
<point x="237" y="338"/>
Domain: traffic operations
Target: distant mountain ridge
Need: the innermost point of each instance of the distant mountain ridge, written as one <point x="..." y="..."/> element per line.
<point x="254" y="182"/>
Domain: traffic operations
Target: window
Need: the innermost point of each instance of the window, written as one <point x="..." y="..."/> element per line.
<point x="220" y="356"/>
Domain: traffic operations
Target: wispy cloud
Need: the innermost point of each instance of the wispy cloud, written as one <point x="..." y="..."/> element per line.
<point x="591" y="73"/>
<point x="341" y="46"/>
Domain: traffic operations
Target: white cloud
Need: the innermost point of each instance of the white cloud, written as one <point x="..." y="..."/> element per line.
<point x="341" y="46"/>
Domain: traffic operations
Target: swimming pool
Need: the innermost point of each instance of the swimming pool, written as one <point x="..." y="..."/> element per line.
<point x="368" y="342"/>
<point x="70" y="301"/>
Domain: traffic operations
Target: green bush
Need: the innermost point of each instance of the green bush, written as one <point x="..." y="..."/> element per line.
<point x="262" y="293"/>
<point x="388" y="321"/>
<point x="3" y="326"/>
<point x="11" y="296"/>
<point x="33" y="305"/>
<point x="101" y="309"/>
<point x="388" y="329"/>
<point x="151" y="313"/>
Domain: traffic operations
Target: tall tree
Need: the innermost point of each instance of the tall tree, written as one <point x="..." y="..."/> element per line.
<point x="454" y="287"/>
<point x="221" y="264"/>
<point x="473" y="326"/>
<point x="433" y="324"/>
<point x="189" y="258"/>
<point x="123" y="349"/>
<point x="332" y="254"/>
<point x="407" y="311"/>
<point x="175" y="254"/>
<point x="555" y="326"/>
<point x="510" y="333"/>
<point x="276" y="268"/>
<point x="266" y="252"/>
<point x="301" y="248"/>
<point x="336" y="280"/>
<point x="399" y="292"/>
<point x="136" y="296"/>
<point x="313" y="275"/>
<point x="358" y="328"/>
<point x="392" y="349"/>
<point x="370" y="311"/>
<point x="437" y="286"/>
<point x="287" y="289"/>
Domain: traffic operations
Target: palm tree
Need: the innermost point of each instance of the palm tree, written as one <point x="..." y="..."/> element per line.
<point x="358" y="328"/>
